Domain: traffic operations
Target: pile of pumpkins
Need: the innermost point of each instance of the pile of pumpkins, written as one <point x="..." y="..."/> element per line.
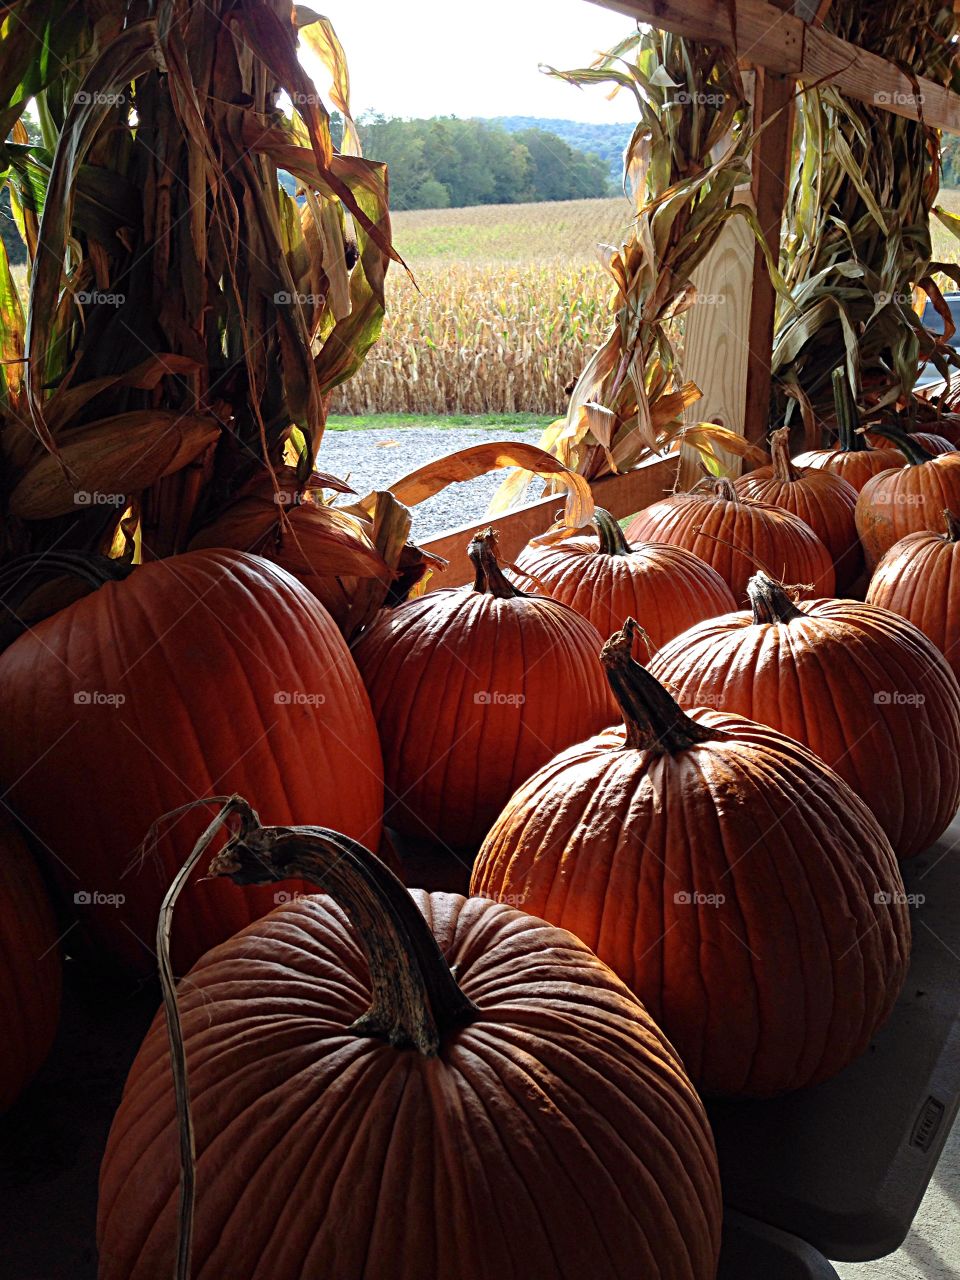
<point x="689" y="815"/>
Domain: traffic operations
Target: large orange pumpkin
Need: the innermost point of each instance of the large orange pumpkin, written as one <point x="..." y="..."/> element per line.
<point x="919" y="578"/>
<point x="859" y="685"/>
<point x="907" y="499"/>
<point x="607" y="580"/>
<point x="29" y="968"/>
<point x="824" y="501"/>
<point x="209" y="671"/>
<point x="473" y="688"/>
<point x="852" y="459"/>
<point x="327" y="549"/>
<point x="530" y="1122"/>
<point x="934" y="444"/>
<point x="735" y="535"/>
<point x="732" y="879"/>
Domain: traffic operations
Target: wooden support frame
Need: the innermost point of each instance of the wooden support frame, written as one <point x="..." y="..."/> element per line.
<point x="785" y="48"/>
<point x="773" y="101"/>
<point x="622" y="495"/>
<point x="782" y="42"/>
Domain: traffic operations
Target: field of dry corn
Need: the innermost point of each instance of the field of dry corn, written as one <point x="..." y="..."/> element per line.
<point x="509" y="302"/>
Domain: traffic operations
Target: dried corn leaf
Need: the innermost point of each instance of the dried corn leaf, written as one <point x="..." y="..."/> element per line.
<point x="477" y="460"/>
<point x="106" y="461"/>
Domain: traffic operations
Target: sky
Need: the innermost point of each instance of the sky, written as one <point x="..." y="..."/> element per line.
<point x="433" y="57"/>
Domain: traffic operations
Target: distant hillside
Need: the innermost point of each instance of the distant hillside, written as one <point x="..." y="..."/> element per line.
<point x="604" y="140"/>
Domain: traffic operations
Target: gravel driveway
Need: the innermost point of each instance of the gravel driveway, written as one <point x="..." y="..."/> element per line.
<point x="372" y="459"/>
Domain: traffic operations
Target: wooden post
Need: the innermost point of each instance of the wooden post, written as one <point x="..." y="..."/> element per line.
<point x="771" y="159"/>
<point x="729" y="334"/>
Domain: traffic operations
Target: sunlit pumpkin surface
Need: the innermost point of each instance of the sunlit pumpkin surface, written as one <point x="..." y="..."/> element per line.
<point x="556" y="1136"/>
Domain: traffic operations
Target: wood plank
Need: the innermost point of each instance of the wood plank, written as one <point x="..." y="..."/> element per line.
<point x="869" y="78"/>
<point x="771" y="158"/>
<point x="715" y="341"/>
<point x="784" y="43"/>
<point x="623" y="495"/>
<point x="765" y="36"/>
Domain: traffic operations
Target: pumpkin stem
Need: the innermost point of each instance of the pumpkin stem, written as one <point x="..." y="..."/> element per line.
<point x="770" y="601"/>
<point x="613" y="542"/>
<point x="952" y="524"/>
<point x="909" y="446"/>
<point x="847" y="417"/>
<point x="488" y="576"/>
<point x="415" y="996"/>
<point x="93" y="570"/>
<point x="783" y="468"/>
<point x="653" y="720"/>
<point x="723" y="487"/>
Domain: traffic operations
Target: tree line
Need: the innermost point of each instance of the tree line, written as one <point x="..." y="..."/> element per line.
<point x="445" y="162"/>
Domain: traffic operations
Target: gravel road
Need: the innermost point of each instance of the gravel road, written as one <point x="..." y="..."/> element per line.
<point x="372" y="459"/>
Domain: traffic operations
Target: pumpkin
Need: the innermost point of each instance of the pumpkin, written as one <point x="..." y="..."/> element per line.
<point x="731" y="878"/>
<point x="360" y="1112"/>
<point x="947" y="427"/>
<point x="852" y="459"/>
<point x="326" y="548"/>
<point x="860" y="686"/>
<point x="608" y="580"/>
<point x="824" y="501"/>
<point x="210" y="670"/>
<point x="29" y="968"/>
<point x="906" y="499"/>
<point x="934" y="444"/>
<point x="473" y="688"/>
<point x="735" y="535"/>
<point x="919" y="578"/>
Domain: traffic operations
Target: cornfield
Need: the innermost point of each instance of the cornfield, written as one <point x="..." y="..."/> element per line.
<point x="512" y="302"/>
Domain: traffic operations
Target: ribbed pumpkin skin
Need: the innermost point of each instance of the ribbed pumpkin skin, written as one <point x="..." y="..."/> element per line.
<point x="919" y="578"/>
<point x="199" y="646"/>
<point x="856" y="466"/>
<point x="713" y="528"/>
<point x="666" y="588"/>
<point x="906" y="500"/>
<point x="784" y="982"/>
<point x="844" y="679"/>
<point x="822" y="500"/>
<point x="555" y="1137"/>
<point x="471" y="694"/>
<point x="935" y="444"/>
<point x="30" y="968"/>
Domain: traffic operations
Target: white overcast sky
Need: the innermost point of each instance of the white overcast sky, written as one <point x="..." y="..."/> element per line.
<point x="434" y="57"/>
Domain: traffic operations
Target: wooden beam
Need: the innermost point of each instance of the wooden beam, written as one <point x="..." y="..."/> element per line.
<point x="715" y="339"/>
<point x="784" y="43"/>
<point x="622" y="495"/>
<point x="773" y="97"/>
